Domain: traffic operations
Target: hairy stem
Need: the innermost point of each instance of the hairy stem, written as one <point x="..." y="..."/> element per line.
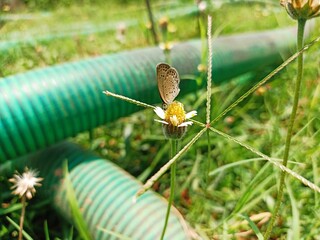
<point x="301" y="25"/>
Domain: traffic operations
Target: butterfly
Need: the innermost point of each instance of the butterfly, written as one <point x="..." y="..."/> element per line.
<point x="168" y="83"/>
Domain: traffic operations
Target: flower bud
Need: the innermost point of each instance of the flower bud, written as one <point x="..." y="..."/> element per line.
<point x="302" y="9"/>
<point x="173" y="132"/>
<point x="163" y="24"/>
<point x="202" y="68"/>
<point x="174" y="124"/>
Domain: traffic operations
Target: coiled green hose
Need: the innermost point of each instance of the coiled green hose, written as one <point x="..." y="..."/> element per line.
<point x="105" y="194"/>
<point x="41" y="107"/>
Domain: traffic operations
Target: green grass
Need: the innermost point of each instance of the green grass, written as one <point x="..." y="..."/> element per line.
<point x="248" y="185"/>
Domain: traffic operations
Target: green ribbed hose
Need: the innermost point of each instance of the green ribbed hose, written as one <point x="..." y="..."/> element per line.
<point x="104" y="193"/>
<point x="41" y="107"/>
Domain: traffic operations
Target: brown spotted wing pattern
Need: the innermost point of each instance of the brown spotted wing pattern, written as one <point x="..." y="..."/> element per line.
<point x="168" y="82"/>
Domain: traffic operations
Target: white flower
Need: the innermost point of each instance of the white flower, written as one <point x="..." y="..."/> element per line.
<point x="167" y="46"/>
<point x="174" y="119"/>
<point x="174" y="115"/>
<point x="25" y="184"/>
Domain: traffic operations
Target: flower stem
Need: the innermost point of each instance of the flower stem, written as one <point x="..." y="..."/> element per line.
<point x="153" y="29"/>
<point x="301" y="25"/>
<point x="23" y="211"/>
<point x="165" y="167"/>
<point x="174" y="150"/>
<point x="209" y="160"/>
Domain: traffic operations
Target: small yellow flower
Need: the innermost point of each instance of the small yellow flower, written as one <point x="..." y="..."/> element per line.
<point x="202" y="68"/>
<point x="163" y="23"/>
<point x="174" y="119"/>
<point x="25" y="184"/>
<point x="302" y="9"/>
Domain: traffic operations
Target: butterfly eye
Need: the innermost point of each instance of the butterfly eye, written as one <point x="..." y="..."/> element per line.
<point x="164" y="106"/>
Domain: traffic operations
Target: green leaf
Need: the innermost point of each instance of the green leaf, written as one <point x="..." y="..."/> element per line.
<point x="253" y="227"/>
<point x="75" y="210"/>
<point x="25" y="234"/>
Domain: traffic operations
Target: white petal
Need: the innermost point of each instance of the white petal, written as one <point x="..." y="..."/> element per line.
<point x="184" y="124"/>
<point x="160" y="121"/>
<point x="159" y="111"/>
<point x="191" y="114"/>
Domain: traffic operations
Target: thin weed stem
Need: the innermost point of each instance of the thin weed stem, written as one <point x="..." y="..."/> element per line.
<point x="277" y="164"/>
<point x="23" y="212"/>
<point x="208" y="170"/>
<point x="153" y="29"/>
<point x="130" y="100"/>
<point x="301" y="26"/>
<point x="209" y="69"/>
<point x="273" y="161"/>
<point x="165" y="167"/>
<point x="209" y="82"/>
<point x="264" y="80"/>
<point x="174" y="150"/>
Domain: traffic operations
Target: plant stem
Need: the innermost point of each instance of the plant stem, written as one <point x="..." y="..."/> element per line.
<point x="209" y="92"/>
<point x="174" y="150"/>
<point x="23" y="211"/>
<point x="153" y="29"/>
<point x="165" y="167"/>
<point x="208" y="160"/>
<point x="167" y="55"/>
<point x="301" y="25"/>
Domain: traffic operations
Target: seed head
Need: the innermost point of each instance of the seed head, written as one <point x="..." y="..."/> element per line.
<point x="25" y="183"/>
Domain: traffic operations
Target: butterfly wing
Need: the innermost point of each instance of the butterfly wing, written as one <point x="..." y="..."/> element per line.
<point x="162" y="69"/>
<point x="168" y="82"/>
<point x="171" y="85"/>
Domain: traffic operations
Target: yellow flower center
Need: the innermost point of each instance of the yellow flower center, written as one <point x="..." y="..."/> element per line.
<point x="175" y="114"/>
